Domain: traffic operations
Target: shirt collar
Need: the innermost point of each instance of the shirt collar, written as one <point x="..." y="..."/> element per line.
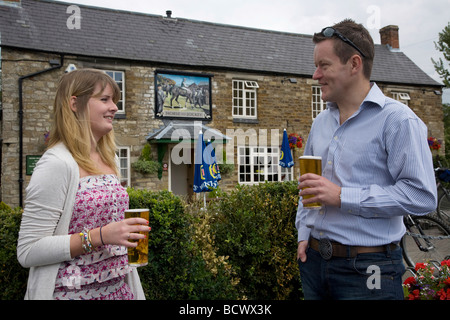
<point x="375" y="96"/>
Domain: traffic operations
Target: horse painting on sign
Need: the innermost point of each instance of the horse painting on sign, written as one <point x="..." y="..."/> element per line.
<point x="183" y="95"/>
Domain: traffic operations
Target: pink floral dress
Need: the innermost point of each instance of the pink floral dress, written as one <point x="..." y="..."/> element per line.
<point x="98" y="275"/>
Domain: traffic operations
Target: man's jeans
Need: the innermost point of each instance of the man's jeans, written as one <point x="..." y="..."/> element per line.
<point x="367" y="276"/>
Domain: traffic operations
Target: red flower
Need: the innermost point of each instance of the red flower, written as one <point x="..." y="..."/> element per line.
<point x="434" y="143"/>
<point x="410" y="281"/>
<point x="295" y="141"/>
<point x="445" y="263"/>
<point x="446" y="282"/>
<point x="430" y="282"/>
<point x="443" y="295"/>
<point x="47" y="137"/>
<point x="420" y="265"/>
<point x="414" y="295"/>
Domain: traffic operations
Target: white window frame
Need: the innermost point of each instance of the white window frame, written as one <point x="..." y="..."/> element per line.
<point x="245" y="99"/>
<point x="259" y="164"/>
<point x="123" y="153"/>
<point x="317" y="104"/>
<point x="251" y="84"/>
<point x="403" y="97"/>
<point x="121" y="83"/>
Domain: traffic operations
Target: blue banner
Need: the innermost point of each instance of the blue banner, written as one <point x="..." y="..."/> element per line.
<point x="205" y="175"/>
<point x="286" y="154"/>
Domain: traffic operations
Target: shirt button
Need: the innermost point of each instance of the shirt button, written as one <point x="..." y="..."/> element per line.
<point x="330" y="162"/>
<point x="335" y="137"/>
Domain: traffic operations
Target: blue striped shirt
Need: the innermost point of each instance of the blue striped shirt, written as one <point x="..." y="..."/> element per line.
<point x="381" y="159"/>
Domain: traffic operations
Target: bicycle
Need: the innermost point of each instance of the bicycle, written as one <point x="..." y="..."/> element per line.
<point x="426" y="239"/>
<point x="443" y="207"/>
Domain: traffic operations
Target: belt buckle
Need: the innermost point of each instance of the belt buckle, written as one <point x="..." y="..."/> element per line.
<point x="325" y="249"/>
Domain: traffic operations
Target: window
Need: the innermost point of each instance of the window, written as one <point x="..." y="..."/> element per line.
<point x="251" y="84"/>
<point x="260" y="164"/>
<point x="124" y="165"/>
<point x="119" y="78"/>
<point x="244" y="99"/>
<point x="403" y="97"/>
<point x="317" y="104"/>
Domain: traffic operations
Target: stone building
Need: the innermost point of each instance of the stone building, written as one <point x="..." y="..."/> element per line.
<point x="254" y="83"/>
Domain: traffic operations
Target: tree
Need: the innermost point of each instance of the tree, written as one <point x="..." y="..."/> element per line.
<point x="443" y="45"/>
<point x="446" y="110"/>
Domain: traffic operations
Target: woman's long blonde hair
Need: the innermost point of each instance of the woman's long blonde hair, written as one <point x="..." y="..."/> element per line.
<point x="73" y="128"/>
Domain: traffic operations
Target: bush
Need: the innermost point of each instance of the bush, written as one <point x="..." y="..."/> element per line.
<point x="176" y="268"/>
<point x="221" y="277"/>
<point x="13" y="278"/>
<point x="255" y="227"/>
<point x="145" y="164"/>
<point x="242" y="247"/>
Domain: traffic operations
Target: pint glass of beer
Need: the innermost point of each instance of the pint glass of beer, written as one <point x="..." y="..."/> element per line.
<point x="138" y="256"/>
<point x="311" y="164"/>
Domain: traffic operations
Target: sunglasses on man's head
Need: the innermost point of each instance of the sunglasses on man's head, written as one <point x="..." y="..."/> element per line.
<point x="329" y="32"/>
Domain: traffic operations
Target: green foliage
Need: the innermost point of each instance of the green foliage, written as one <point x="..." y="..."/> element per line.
<point x="146" y="153"/>
<point x="13" y="278"/>
<point x="224" y="167"/>
<point x="443" y="45"/>
<point x="145" y="164"/>
<point x="446" y="111"/>
<point x="4" y="207"/>
<point x="242" y="246"/>
<point x="176" y="269"/>
<point x="255" y="227"/>
<point x="223" y="276"/>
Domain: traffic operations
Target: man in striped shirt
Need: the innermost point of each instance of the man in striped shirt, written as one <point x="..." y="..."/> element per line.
<point x="376" y="168"/>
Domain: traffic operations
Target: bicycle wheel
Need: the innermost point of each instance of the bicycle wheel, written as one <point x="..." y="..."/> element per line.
<point x="426" y="239"/>
<point x="443" y="207"/>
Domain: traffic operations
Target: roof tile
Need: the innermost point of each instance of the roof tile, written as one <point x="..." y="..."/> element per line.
<point x="41" y="25"/>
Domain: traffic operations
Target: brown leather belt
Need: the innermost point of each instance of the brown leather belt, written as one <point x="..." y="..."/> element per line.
<point x="328" y="249"/>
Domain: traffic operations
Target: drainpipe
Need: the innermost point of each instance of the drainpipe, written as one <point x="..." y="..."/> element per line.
<point x="55" y="64"/>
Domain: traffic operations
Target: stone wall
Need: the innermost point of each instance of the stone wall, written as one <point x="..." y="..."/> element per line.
<point x="281" y="104"/>
<point x="37" y="106"/>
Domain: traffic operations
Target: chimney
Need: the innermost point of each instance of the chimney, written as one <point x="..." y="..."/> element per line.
<point x="169" y="13"/>
<point x="389" y="36"/>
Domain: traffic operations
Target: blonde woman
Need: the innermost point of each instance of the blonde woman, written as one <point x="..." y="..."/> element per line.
<point x="73" y="234"/>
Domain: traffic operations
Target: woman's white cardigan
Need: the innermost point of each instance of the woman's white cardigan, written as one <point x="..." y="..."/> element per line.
<point x="44" y="241"/>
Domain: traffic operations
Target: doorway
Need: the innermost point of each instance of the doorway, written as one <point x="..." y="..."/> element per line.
<point x="182" y="176"/>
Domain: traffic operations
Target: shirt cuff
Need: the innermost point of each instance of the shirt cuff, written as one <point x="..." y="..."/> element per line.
<point x="303" y="233"/>
<point x="350" y="200"/>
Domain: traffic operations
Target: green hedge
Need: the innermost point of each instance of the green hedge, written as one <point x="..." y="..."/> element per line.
<point x="176" y="268"/>
<point x="255" y="227"/>
<point x="242" y="246"/>
<point x="13" y="278"/>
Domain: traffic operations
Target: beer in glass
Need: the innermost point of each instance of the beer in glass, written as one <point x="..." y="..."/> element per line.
<point x="138" y="256"/>
<point x="310" y="164"/>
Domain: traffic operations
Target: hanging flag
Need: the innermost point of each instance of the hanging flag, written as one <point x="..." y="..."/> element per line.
<point x="204" y="181"/>
<point x="214" y="167"/>
<point x="286" y="154"/>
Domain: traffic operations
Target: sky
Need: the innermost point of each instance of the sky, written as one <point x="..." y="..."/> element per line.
<point x="419" y="21"/>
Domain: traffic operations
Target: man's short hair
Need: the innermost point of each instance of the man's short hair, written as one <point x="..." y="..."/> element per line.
<point x="359" y="36"/>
